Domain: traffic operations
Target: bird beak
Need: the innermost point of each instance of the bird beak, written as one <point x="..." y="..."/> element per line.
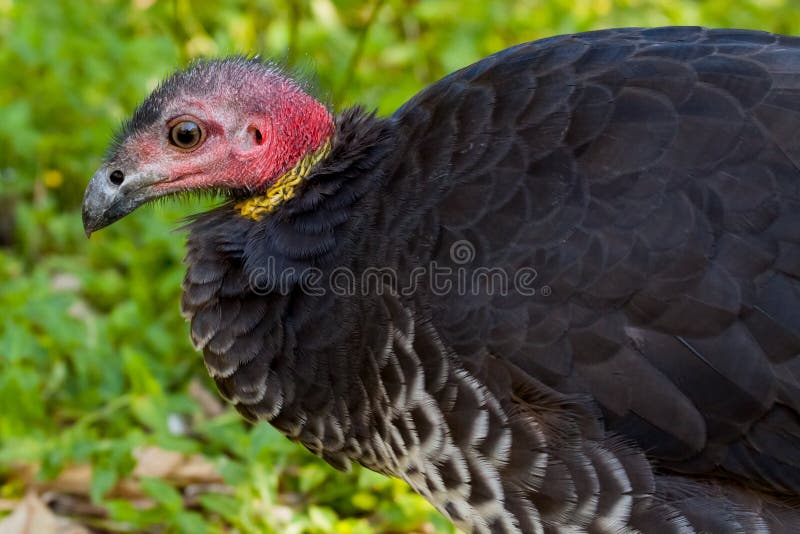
<point x="111" y="195"/>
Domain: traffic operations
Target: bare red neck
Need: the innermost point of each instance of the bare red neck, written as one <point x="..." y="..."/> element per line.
<point x="290" y="124"/>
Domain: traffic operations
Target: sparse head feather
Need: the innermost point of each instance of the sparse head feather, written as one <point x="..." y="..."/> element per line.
<point x="229" y="97"/>
<point x="231" y="77"/>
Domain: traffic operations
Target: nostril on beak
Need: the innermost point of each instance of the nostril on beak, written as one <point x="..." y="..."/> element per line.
<point x="116" y="177"/>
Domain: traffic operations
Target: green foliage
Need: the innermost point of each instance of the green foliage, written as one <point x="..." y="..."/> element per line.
<point x="94" y="357"/>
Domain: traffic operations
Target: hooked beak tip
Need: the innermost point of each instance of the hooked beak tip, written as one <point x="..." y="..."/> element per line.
<point x="107" y="201"/>
<point x="88" y="226"/>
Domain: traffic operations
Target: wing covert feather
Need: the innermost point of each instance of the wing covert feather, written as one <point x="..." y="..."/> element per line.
<point x="651" y="179"/>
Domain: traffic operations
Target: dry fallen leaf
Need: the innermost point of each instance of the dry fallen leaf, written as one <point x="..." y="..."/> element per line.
<point x="156" y="462"/>
<point x="75" y="479"/>
<point x="68" y="493"/>
<point x="175" y="466"/>
<point x="196" y="469"/>
<point x="209" y="403"/>
<point x="31" y="516"/>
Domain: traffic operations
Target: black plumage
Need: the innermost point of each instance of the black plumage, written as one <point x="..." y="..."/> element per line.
<point x="649" y="180"/>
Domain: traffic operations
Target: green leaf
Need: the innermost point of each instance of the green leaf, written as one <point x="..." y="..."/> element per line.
<point x="225" y="505"/>
<point x="120" y="510"/>
<point x="164" y="493"/>
<point x="191" y="523"/>
<point x="103" y="479"/>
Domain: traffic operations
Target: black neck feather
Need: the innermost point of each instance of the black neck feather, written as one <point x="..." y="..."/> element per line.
<point x="319" y="227"/>
<point x="251" y="314"/>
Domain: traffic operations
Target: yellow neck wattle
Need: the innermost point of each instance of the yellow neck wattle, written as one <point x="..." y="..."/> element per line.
<point x="284" y="188"/>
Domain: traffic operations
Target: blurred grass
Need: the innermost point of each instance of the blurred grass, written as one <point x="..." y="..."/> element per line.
<point x="95" y="362"/>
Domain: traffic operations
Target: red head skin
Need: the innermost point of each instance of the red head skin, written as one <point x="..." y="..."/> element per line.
<point x="256" y="124"/>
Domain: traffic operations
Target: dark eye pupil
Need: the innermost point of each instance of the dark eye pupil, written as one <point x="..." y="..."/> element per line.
<point x="185" y="134"/>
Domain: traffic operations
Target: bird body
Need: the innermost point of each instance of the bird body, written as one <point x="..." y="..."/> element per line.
<point x="556" y="290"/>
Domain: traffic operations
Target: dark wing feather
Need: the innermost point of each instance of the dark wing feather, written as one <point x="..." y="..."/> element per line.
<point x="651" y="179"/>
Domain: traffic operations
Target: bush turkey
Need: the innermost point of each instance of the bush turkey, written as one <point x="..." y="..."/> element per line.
<point x="558" y="290"/>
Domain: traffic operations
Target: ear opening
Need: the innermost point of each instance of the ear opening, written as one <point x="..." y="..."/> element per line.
<point x="256" y="134"/>
<point x="252" y="139"/>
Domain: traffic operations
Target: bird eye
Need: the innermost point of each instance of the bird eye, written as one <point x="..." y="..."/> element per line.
<point x="185" y="134"/>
